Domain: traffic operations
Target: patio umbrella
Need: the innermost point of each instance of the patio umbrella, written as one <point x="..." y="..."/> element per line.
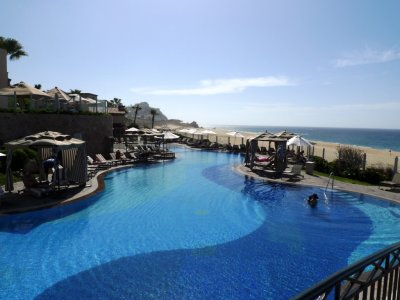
<point x="299" y="141"/>
<point x="59" y="93"/>
<point x="132" y="129"/>
<point x="235" y="134"/>
<point x="170" y="136"/>
<point x="206" y="131"/>
<point x="22" y="89"/>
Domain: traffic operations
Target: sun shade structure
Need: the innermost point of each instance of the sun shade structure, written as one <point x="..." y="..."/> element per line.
<point x="299" y="141"/>
<point x="71" y="150"/>
<point x="279" y="156"/>
<point x="265" y="136"/>
<point x="22" y="89"/>
<point x="285" y="134"/>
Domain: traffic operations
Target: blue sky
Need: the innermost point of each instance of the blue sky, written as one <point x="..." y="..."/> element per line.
<point x="330" y="63"/>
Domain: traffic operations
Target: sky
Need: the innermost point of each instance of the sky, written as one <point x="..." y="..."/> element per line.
<point x="331" y="63"/>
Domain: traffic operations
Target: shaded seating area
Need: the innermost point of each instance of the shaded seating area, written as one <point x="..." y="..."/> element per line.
<point x="68" y="154"/>
<point x="274" y="162"/>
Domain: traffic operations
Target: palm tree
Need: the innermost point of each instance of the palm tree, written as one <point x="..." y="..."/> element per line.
<point x="116" y="102"/>
<point x="153" y="112"/>
<point x="38" y="86"/>
<point x="13" y="48"/>
<point x="137" y="108"/>
<point x="75" y="91"/>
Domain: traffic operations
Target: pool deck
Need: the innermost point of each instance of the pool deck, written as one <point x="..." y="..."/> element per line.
<point x="319" y="181"/>
<point x="16" y="202"/>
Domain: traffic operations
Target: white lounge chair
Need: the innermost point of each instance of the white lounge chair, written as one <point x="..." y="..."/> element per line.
<point x="392" y="184"/>
<point x="294" y="172"/>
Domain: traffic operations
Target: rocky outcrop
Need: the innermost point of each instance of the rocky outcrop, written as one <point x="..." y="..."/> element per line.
<point x="144" y="117"/>
<point x="143" y="114"/>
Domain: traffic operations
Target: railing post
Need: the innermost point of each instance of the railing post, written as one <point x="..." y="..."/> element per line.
<point x="364" y="163"/>
<point x="337" y="291"/>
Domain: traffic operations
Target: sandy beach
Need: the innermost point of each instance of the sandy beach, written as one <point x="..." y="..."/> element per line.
<point x="375" y="157"/>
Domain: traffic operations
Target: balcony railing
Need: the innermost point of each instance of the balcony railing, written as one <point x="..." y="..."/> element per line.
<point x="374" y="277"/>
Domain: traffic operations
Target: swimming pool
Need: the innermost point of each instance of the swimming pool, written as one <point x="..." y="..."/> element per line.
<point x="189" y="229"/>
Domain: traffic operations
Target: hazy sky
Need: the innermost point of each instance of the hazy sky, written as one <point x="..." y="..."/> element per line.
<point x="331" y="63"/>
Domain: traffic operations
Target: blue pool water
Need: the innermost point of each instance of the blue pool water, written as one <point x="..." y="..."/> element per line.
<point x="189" y="229"/>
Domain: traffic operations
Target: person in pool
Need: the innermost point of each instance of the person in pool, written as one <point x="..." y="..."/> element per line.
<point x="313" y="200"/>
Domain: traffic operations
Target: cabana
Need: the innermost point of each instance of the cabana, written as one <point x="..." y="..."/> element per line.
<point x="70" y="151"/>
<point x="279" y="156"/>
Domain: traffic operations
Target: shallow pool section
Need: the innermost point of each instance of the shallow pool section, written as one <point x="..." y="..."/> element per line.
<point x="189" y="229"/>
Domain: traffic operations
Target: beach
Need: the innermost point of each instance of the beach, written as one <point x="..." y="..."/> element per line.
<point x="328" y="150"/>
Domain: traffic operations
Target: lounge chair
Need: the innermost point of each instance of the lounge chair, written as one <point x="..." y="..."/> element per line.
<point x="101" y="159"/>
<point x="295" y="172"/>
<point x="117" y="160"/>
<point x="96" y="164"/>
<point x="393" y="184"/>
<point x="130" y="159"/>
<point x="134" y="158"/>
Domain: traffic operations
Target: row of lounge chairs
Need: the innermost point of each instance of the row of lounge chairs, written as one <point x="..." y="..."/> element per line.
<point x="208" y="145"/>
<point x="101" y="163"/>
<point x="137" y="154"/>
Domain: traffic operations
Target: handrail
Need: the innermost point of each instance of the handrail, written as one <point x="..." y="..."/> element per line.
<point x="374" y="277"/>
<point x="331" y="179"/>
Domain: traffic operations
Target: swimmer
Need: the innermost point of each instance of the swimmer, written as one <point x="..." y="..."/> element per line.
<point x="313" y="200"/>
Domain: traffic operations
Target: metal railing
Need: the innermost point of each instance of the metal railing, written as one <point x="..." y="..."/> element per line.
<point x="374" y="277"/>
<point x="331" y="180"/>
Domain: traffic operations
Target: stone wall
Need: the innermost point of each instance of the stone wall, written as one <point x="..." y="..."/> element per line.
<point x="95" y="130"/>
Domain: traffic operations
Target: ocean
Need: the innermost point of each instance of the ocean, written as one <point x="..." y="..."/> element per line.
<point x="388" y="139"/>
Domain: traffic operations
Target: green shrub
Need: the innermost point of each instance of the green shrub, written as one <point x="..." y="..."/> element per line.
<point x="20" y="157"/>
<point x="375" y="175"/>
<point x="321" y="165"/>
<point x="350" y="162"/>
